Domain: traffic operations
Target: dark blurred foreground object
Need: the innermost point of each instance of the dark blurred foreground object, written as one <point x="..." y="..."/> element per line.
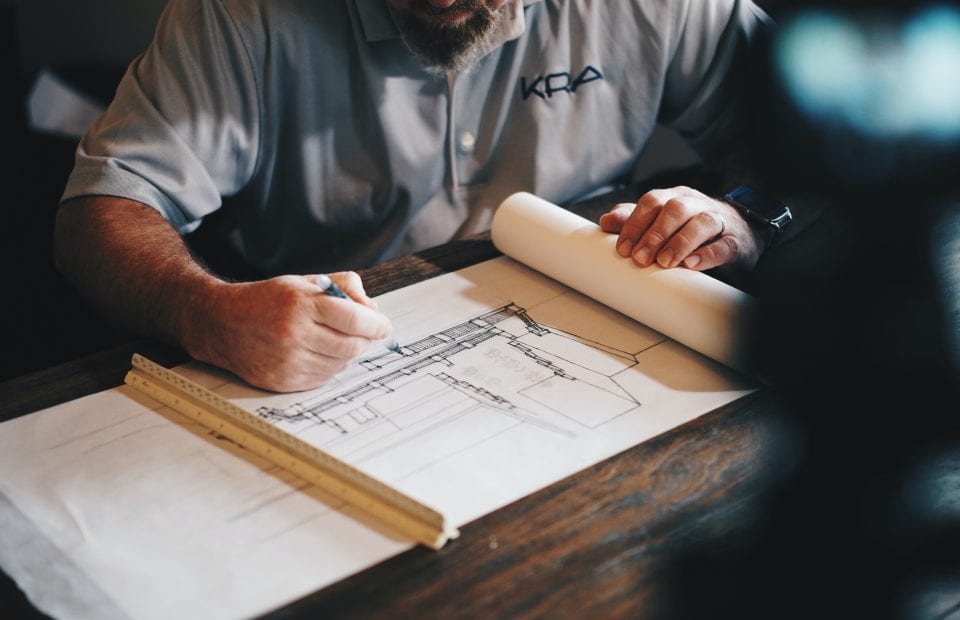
<point x="861" y="338"/>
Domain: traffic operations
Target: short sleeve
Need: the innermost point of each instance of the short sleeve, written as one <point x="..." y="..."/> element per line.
<point x="182" y="129"/>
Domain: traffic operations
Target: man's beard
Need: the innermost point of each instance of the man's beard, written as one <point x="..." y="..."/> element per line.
<point x="454" y="47"/>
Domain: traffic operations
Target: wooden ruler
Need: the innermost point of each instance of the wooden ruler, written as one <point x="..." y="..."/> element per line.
<point x="382" y="502"/>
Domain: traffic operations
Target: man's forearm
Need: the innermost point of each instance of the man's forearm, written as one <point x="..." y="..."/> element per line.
<point x="282" y="334"/>
<point x="131" y="266"/>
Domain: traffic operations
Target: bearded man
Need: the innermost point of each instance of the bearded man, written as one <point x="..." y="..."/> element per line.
<point x="324" y="136"/>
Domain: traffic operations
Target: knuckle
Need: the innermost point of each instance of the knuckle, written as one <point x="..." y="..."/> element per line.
<point x="638" y="212"/>
<point x="675" y="207"/>
<point x="650" y="197"/>
<point x="623" y="208"/>
<point x="285" y="298"/>
<point x="682" y="239"/>
<point x="709" y="254"/>
<point x="288" y="303"/>
<point x="654" y="237"/>
<point x="631" y="230"/>
<point x="705" y="219"/>
<point x="284" y="333"/>
<point x="350" y="281"/>
<point x="731" y="243"/>
<point x="285" y="281"/>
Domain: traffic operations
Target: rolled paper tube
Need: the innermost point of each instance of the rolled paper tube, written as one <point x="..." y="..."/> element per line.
<point x="690" y="307"/>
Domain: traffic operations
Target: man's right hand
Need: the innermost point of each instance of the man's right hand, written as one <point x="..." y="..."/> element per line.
<point x="282" y="334"/>
<point x="285" y="334"/>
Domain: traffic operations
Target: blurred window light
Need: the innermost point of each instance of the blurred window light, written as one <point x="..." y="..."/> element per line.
<point x="932" y="55"/>
<point x="883" y="78"/>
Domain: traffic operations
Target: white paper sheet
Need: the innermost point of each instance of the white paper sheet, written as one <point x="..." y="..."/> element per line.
<point x="508" y="381"/>
<point x="688" y="306"/>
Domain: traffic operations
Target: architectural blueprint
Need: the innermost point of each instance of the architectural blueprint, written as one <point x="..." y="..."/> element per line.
<point x="507" y="381"/>
<point x="500" y="365"/>
<point x="501" y="369"/>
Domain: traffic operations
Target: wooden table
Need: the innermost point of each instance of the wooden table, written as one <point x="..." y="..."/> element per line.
<point x="599" y="542"/>
<point x="604" y="542"/>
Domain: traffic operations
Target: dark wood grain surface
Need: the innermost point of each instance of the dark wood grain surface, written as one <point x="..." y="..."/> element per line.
<point x="605" y="542"/>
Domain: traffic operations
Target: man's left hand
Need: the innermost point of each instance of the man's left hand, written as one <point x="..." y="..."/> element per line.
<point x="681" y="226"/>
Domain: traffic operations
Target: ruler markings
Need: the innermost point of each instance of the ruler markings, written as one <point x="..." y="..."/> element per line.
<point x="375" y="498"/>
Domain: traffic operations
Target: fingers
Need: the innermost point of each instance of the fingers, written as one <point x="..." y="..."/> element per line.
<point x="293" y="371"/>
<point x="351" y="284"/>
<point x="679" y="226"/>
<point x="636" y="238"/>
<point x="345" y="328"/>
<point x="713" y="254"/>
<point x="691" y="232"/>
<point x="286" y="334"/>
<point x="612" y="221"/>
<point x="303" y="316"/>
<point x="348" y="318"/>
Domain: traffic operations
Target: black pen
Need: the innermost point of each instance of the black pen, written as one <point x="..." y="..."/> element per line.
<point x="330" y="288"/>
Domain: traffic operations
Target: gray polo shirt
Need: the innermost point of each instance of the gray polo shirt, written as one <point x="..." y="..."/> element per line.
<point x="326" y="145"/>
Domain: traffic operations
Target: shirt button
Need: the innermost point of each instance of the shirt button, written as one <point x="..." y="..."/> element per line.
<point x="467" y="141"/>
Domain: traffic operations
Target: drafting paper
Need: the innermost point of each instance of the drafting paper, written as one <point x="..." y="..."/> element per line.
<point x="508" y="381"/>
<point x="688" y="306"/>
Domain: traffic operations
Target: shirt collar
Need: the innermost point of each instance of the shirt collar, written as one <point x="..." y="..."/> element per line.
<point x="378" y="23"/>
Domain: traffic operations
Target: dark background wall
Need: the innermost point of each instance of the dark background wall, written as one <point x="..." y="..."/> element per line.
<point x="42" y="321"/>
<point x="53" y="32"/>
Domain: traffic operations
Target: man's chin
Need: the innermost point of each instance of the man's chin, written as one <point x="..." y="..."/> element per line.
<point x="443" y="62"/>
<point x="449" y="42"/>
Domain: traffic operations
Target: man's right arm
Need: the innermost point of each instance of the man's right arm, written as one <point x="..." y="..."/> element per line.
<point x="280" y="334"/>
